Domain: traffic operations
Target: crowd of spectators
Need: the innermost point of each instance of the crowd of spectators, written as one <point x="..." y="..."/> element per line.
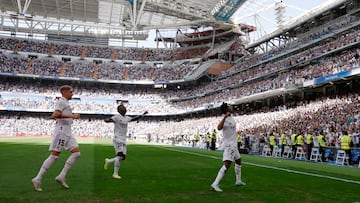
<point x="337" y="114"/>
<point x="318" y="33"/>
<point x="87" y="69"/>
<point x="237" y="86"/>
<point x="99" y="52"/>
<point x="253" y="66"/>
<point x="283" y="73"/>
<point x="246" y="78"/>
<point x="254" y="74"/>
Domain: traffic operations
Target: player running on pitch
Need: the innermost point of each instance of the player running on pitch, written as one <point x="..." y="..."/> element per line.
<point x="119" y="140"/>
<point x="63" y="139"/>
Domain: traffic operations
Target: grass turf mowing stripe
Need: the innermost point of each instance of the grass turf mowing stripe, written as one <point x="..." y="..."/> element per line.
<point x="265" y="166"/>
<point x="158" y="175"/>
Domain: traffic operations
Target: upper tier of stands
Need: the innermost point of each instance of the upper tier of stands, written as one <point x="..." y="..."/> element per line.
<point x="243" y="84"/>
<point x="332" y="50"/>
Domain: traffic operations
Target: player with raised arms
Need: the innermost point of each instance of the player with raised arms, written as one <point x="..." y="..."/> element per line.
<point x="120" y="121"/>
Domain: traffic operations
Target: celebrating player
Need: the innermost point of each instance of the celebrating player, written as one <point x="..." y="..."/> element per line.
<point x="231" y="153"/>
<point x="63" y="139"/>
<point x="119" y="140"/>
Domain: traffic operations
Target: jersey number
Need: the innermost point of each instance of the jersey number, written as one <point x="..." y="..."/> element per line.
<point x="61" y="142"/>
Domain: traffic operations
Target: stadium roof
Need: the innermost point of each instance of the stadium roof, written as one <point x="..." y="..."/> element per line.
<point x="119" y="18"/>
<point x="113" y="14"/>
<point x="272" y="16"/>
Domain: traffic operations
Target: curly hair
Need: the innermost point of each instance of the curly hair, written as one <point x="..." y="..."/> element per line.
<point x="224" y="108"/>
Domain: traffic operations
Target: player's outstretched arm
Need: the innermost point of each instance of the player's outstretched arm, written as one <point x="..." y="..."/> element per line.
<point x="108" y="120"/>
<point x="137" y="117"/>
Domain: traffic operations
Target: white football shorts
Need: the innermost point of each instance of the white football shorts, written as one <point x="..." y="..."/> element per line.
<point x="231" y="153"/>
<point x="62" y="141"/>
<point x="119" y="147"/>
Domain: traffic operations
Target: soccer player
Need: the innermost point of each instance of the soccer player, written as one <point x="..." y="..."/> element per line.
<point x="63" y="139"/>
<point x="228" y="125"/>
<point x="119" y="140"/>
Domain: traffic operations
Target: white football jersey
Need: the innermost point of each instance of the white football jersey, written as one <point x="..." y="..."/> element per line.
<point x="229" y="132"/>
<point x="121" y="127"/>
<point x="63" y="124"/>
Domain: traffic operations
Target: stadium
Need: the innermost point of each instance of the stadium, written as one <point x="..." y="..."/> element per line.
<point x="300" y="79"/>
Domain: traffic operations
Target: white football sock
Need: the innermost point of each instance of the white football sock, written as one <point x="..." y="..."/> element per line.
<point x="117" y="164"/>
<point x="112" y="159"/>
<point x="68" y="164"/>
<point x="220" y="175"/>
<point x="238" y="172"/>
<point x="45" y="166"/>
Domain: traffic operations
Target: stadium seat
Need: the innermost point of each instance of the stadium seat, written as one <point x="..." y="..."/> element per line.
<point x="328" y="153"/>
<point x="287" y="152"/>
<point x="300" y="154"/>
<point x="355" y="155"/>
<point x="276" y="151"/>
<point x="341" y="158"/>
<point x="315" y="155"/>
<point x="266" y="151"/>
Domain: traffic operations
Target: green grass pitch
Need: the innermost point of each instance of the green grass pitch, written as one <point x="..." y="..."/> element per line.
<point x="154" y="173"/>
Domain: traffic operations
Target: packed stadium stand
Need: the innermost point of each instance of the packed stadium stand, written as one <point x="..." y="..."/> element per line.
<point x="281" y="83"/>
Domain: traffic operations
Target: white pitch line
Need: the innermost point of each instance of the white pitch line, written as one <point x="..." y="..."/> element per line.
<point x="265" y="166"/>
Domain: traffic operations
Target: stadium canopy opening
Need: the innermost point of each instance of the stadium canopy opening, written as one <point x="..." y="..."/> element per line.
<point x="133" y="19"/>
